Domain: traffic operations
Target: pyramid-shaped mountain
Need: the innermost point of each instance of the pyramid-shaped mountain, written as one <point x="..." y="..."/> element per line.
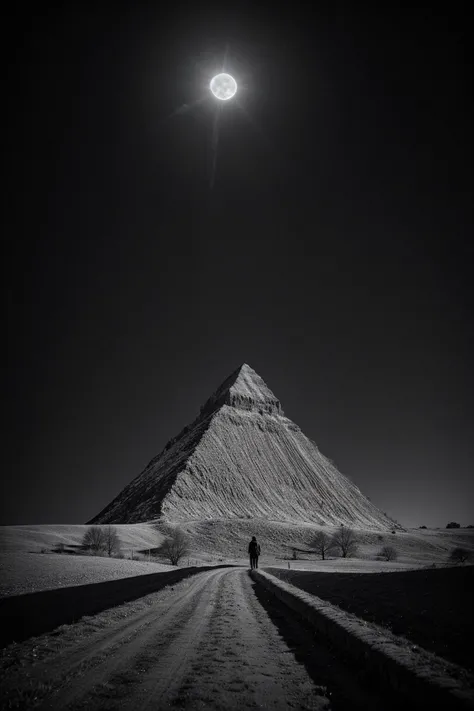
<point x="242" y="458"/>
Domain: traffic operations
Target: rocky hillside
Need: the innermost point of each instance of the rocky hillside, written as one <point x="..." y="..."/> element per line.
<point x="243" y="459"/>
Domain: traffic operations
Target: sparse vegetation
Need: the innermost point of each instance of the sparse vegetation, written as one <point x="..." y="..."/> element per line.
<point x="94" y="540"/>
<point x="459" y="555"/>
<point x="394" y="600"/>
<point x="453" y="524"/>
<point x="175" y="546"/>
<point x="323" y="544"/>
<point x="100" y="540"/>
<point x="112" y="541"/>
<point x="388" y="553"/>
<point x="345" y="542"/>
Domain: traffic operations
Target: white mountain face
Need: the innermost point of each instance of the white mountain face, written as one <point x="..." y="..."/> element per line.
<point x="242" y="459"/>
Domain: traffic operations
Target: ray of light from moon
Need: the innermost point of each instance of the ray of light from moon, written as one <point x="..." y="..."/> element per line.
<point x="224" y="63"/>
<point x="183" y="109"/>
<point x="214" y="144"/>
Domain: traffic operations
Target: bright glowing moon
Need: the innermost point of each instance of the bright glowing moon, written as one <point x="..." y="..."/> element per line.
<point x="223" y="86"/>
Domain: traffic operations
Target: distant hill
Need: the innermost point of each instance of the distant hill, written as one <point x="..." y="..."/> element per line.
<point x="242" y="458"/>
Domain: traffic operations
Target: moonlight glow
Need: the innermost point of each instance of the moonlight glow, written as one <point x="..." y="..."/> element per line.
<point x="223" y="86"/>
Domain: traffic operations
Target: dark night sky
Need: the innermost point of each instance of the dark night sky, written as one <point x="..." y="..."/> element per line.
<point x="333" y="255"/>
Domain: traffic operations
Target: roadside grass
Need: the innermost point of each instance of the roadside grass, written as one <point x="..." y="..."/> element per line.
<point x="29" y="696"/>
<point x="432" y="608"/>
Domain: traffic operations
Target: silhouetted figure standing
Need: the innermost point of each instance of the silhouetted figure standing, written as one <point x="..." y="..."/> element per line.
<point x="254" y="552"/>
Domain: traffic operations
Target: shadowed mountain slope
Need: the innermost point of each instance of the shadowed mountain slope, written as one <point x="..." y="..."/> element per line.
<point x="242" y="458"/>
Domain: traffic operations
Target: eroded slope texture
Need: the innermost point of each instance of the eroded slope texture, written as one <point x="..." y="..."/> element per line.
<point x="242" y="458"/>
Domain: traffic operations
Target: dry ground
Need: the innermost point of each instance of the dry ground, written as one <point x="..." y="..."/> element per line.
<point x="31" y="572"/>
<point x="213" y="641"/>
<point x="203" y="643"/>
<point x="24" y="569"/>
<point x="432" y="608"/>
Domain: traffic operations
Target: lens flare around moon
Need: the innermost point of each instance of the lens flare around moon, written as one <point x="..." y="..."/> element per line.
<point x="223" y="86"/>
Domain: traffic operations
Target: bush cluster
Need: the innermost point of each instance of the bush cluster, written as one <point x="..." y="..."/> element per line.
<point x="459" y="555"/>
<point x="100" y="539"/>
<point x="343" y="543"/>
<point x="175" y="546"/>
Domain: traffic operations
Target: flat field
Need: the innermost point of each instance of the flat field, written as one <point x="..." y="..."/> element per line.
<point x="431" y="607"/>
<point x="25" y="568"/>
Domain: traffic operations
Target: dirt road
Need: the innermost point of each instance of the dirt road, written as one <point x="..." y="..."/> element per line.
<point x="206" y="642"/>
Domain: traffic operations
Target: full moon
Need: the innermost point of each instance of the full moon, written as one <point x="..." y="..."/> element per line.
<point x="223" y="86"/>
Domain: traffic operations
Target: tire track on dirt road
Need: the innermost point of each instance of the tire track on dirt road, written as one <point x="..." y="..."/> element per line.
<point x="164" y="678"/>
<point x="106" y="638"/>
<point x="243" y="663"/>
<point x="77" y="652"/>
<point x="211" y="642"/>
<point x="133" y="652"/>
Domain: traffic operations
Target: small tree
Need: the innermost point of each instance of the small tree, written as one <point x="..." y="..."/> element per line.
<point x="389" y="553"/>
<point x="345" y="541"/>
<point x="323" y="544"/>
<point x="175" y="546"/>
<point x="94" y="539"/>
<point x="459" y="555"/>
<point x="111" y="541"/>
<point x="453" y="524"/>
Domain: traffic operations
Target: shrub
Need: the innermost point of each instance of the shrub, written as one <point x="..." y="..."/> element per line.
<point x="175" y="546"/>
<point x="59" y="547"/>
<point x="459" y="555"/>
<point x="94" y="540"/>
<point x="380" y="538"/>
<point x="388" y="553"/>
<point x="453" y="524"/>
<point x="323" y="544"/>
<point x="345" y="541"/>
<point x="422" y="526"/>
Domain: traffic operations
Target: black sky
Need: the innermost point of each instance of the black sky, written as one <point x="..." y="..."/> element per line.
<point x="334" y="254"/>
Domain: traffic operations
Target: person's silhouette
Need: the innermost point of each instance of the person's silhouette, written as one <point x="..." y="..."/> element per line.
<point x="254" y="552"/>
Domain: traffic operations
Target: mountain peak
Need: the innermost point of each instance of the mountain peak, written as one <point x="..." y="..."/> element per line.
<point x="245" y="390"/>
<point x="240" y="459"/>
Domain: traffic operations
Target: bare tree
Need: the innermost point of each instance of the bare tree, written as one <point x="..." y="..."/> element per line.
<point x="112" y="541"/>
<point x="345" y="541"/>
<point x="459" y="555"/>
<point x="175" y="546"/>
<point x="323" y="544"/>
<point x="389" y="553"/>
<point x="94" y="539"/>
